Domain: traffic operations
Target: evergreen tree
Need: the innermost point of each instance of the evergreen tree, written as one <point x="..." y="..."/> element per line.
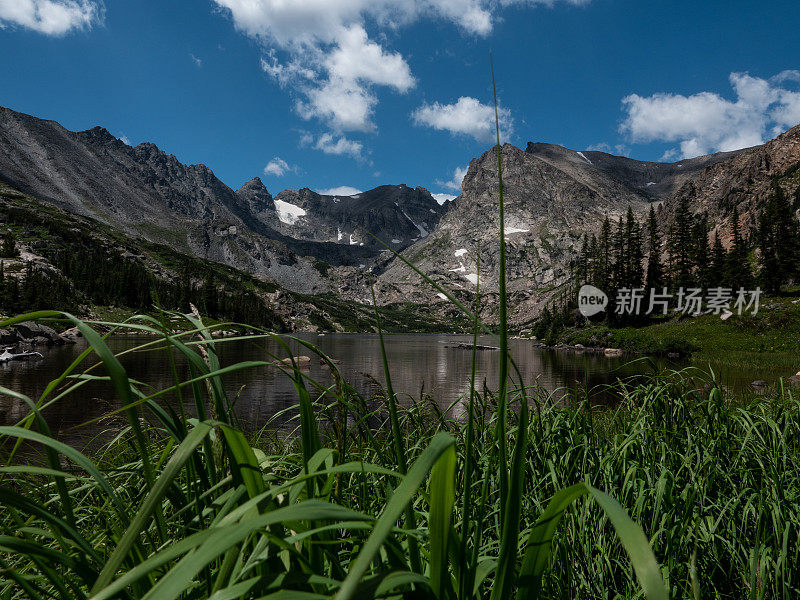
<point x="778" y="241"/>
<point x="9" y="247"/>
<point x="700" y="252"/>
<point x="679" y="246"/>
<point x="655" y="270"/>
<point x="738" y="272"/>
<point x="633" y="251"/>
<point x="719" y="264"/>
<point x="620" y="268"/>
<point x="605" y="259"/>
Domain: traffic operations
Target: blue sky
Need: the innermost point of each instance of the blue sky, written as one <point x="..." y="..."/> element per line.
<point x="360" y="93"/>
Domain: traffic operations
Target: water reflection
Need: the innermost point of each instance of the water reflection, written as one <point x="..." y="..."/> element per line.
<point x="432" y="364"/>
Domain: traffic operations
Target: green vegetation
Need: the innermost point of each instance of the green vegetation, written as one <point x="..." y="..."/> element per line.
<point x="615" y="262"/>
<point x="180" y="507"/>
<point x="110" y="270"/>
<point x="100" y="270"/>
<point x="397" y="317"/>
<point x="9" y="247"/>
<point x="769" y="339"/>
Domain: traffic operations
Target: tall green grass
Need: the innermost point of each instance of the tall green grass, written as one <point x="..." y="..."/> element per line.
<point x="380" y="501"/>
<point x="325" y="514"/>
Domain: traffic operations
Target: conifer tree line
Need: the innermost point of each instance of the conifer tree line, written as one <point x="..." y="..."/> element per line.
<point x="629" y="254"/>
<point x="89" y="273"/>
<point x="108" y="279"/>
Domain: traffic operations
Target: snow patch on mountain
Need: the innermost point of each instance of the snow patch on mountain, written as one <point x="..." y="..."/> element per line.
<point x="423" y="232"/>
<point x="288" y="213"/>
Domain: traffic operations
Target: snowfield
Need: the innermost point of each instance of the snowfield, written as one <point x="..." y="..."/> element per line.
<point x="288" y="213"/>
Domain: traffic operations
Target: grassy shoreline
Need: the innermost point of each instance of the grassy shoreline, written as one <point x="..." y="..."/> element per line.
<point x="713" y="481"/>
<point x="771" y="339"/>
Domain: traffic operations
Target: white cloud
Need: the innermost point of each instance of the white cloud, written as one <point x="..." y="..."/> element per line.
<point x="467" y="116"/>
<point x="321" y="50"/>
<point x="344" y="96"/>
<point x="442" y="198"/>
<point x="50" y="17"/>
<point x="455" y="183"/>
<point x="198" y="62"/>
<point x="706" y="122"/>
<point x="124" y="139"/>
<point x="342" y="190"/>
<point x="618" y="149"/>
<point x="307" y="22"/>
<point x="339" y="146"/>
<point x="278" y="167"/>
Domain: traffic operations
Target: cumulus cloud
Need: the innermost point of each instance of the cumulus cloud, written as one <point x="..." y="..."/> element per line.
<point x="50" y="17"/>
<point x="278" y="167"/>
<point x="342" y="190"/>
<point x="442" y="198"/>
<point x="332" y="144"/>
<point x="306" y="22"/>
<point x="466" y="117"/>
<point x="320" y="49"/>
<point x="455" y="183"/>
<point x="618" y="149"/>
<point x="706" y="122"/>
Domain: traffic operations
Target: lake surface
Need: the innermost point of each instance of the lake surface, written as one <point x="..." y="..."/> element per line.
<point x="418" y="363"/>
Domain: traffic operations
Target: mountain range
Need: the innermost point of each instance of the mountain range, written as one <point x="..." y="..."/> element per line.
<point x="312" y="243"/>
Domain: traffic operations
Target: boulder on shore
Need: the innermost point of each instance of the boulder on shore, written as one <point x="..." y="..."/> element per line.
<point x="304" y="362"/>
<point x="611" y="352"/>
<point x="71" y="336"/>
<point x="30" y="333"/>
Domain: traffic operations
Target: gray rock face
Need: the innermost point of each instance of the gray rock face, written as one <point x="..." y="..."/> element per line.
<point x="551" y="199"/>
<point x="29" y="333"/>
<point x="146" y="192"/>
<point x="396" y="214"/>
<point x="553" y="196"/>
<point x="258" y="202"/>
<point x="744" y="180"/>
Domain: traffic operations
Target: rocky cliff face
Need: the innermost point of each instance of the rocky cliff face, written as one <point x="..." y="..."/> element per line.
<point x="553" y="196"/>
<point x="146" y="192"/>
<point x="395" y="214"/>
<point x="744" y="181"/>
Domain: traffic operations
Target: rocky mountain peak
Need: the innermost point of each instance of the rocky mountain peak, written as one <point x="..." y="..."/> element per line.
<point x="259" y="202"/>
<point x="745" y="181"/>
<point x="99" y="135"/>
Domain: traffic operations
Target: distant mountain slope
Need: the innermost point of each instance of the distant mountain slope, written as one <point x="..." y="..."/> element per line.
<point x="553" y="196"/>
<point x="91" y="269"/>
<point x="744" y="181"/>
<point x="396" y="214"/>
<point x="143" y="191"/>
